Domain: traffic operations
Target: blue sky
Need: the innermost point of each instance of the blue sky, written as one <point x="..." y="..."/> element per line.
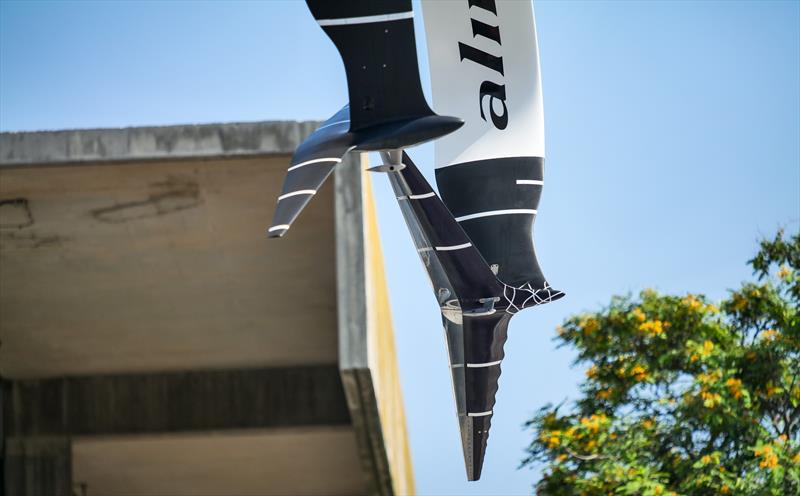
<point x="673" y="140"/>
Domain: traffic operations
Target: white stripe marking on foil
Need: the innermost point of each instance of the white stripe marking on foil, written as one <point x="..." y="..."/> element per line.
<point x="479" y="414"/>
<point x="279" y="227"/>
<point x="298" y="192"/>
<point x="366" y="19"/>
<point x="420" y="197"/>
<point x="333" y="124"/>
<point x="496" y="212"/>
<point x="315" y="161"/>
<point x="454" y="247"/>
<point x="534" y="182"/>
<point x="479" y="365"/>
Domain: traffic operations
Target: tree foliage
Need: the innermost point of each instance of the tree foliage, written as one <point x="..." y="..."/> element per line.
<point x="683" y="396"/>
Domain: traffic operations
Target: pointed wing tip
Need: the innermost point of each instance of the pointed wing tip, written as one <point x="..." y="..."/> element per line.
<point x="277" y="231"/>
<point x="474" y="472"/>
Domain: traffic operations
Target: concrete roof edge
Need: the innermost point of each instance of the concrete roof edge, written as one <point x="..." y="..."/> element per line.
<point x="19" y="149"/>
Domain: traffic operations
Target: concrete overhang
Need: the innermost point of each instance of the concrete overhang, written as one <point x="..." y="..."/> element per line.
<point x="137" y="289"/>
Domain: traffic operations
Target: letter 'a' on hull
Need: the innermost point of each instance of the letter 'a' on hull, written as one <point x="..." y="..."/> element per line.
<point x="387" y="109"/>
<point x="484" y="65"/>
<point x="476" y="306"/>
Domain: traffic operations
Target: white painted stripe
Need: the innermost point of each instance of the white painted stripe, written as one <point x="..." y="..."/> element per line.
<point x="457" y="365"/>
<point x="315" y="161"/>
<point x="281" y="227"/>
<point x="366" y="19"/>
<point x="400" y="198"/>
<point x="480" y="365"/>
<point x="454" y="247"/>
<point x="479" y="414"/>
<point x="422" y="250"/>
<point x="420" y="197"/>
<point x="496" y="212"/>
<point x="298" y="192"/>
<point x="534" y="182"/>
<point x="333" y="124"/>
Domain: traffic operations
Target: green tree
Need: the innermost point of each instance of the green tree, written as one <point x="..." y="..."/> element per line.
<point x="683" y="396"/>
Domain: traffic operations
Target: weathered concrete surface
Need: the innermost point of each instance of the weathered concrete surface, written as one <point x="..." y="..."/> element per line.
<point x="155" y="266"/>
<point x="147" y="143"/>
<point x="366" y="340"/>
<point x="212" y="400"/>
<point x="38" y="466"/>
<point x="305" y="462"/>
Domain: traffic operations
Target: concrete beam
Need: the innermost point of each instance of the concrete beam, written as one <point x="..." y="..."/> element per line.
<point x="149" y="143"/>
<point x="176" y="402"/>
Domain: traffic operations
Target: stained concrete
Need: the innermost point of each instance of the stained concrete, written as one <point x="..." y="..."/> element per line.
<point x="148" y="143"/>
<point x="160" y="266"/>
<point x="308" y="462"/>
<point x="209" y="400"/>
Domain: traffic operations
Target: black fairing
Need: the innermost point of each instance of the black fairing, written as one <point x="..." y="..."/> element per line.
<point x="488" y="185"/>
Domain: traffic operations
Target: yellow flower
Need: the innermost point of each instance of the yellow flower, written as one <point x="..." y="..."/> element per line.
<point x="652" y="327"/>
<point x="796" y="458"/>
<point x="604" y="394"/>
<point x="725" y="489"/>
<point x="591" y="373"/>
<point x="768" y="457"/>
<point x="692" y="302"/>
<point x="769" y="335"/>
<point x="712" y="308"/>
<point x="784" y="272"/>
<point x="589" y="325"/>
<point x="648" y="424"/>
<point x="710" y="400"/>
<point x="553" y="440"/>
<point x="769" y="461"/>
<point x="638" y="314"/>
<point x="639" y="373"/>
<point x="734" y="385"/>
<point x="593" y="422"/>
<point x="705" y="460"/>
<point x="561" y="458"/>
<point x="591" y="445"/>
<point x="693" y="358"/>
<point x="708" y="347"/>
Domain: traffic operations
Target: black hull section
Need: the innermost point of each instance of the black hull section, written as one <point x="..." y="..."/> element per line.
<point x="476" y="350"/>
<point x="387" y="110"/>
<point x="476" y="305"/>
<point x="494" y="201"/>
<point x="376" y="42"/>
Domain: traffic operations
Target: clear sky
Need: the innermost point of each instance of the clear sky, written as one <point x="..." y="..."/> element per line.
<point x="673" y="140"/>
